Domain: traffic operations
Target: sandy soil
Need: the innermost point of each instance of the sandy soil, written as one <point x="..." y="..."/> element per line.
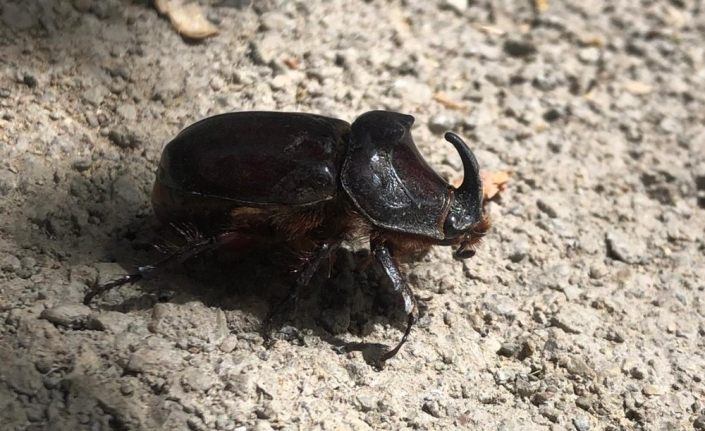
<point x="582" y="310"/>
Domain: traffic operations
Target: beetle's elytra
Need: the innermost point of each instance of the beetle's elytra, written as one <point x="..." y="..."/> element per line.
<point x="310" y="182"/>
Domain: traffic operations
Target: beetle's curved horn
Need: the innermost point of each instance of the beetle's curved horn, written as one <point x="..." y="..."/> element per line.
<point x="466" y="208"/>
<point x="472" y="183"/>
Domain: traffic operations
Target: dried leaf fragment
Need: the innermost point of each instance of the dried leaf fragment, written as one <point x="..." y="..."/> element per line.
<point x="187" y="18"/>
<point x="637" y="88"/>
<point x="493" y="183"/>
<point x="541" y="5"/>
<point x="449" y="103"/>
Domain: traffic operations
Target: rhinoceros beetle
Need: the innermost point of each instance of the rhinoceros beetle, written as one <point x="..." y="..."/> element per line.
<point x="310" y="182"/>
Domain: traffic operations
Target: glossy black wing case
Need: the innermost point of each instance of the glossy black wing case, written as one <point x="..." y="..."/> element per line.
<point x="257" y="158"/>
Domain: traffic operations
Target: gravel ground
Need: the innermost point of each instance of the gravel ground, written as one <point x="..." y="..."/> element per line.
<point x="582" y="310"/>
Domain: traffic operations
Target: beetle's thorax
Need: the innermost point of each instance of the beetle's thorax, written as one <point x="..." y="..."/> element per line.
<point x="387" y="179"/>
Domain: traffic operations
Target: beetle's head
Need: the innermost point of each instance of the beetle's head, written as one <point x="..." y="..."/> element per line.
<point x="466" y="223"/>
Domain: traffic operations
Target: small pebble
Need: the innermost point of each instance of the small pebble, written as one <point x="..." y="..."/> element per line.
<point x="443" y="122"/>
<point x="581" y="423"/>
<point x="508" y="349"/>
<point x="30" y="81"/>
<point x="70" y="315"/>
<point x="625" y="248"/>
<point x="699" y="423"/>
<point x="10" y="263"/>
<point x="550" y="413"/>
<point x="519" y="48"/>
<point x="124" y="137"/>
<point x="653" y="390"/>
<point x="584" y="403"/>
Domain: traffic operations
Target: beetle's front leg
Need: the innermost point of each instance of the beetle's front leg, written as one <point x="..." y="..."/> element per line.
<point x="385" y="258"/>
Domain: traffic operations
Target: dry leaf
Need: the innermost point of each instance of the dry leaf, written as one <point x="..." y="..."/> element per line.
<point x="188" y="19"/>
<point x="292" y="63"/>
<point x="638" y="88"/>
<point x="592" y="39"/>
<point x="541" y="5"/>
<point x="491" y="29"/>
<point x="493" y="183"/>
<point x="448" y="102"/>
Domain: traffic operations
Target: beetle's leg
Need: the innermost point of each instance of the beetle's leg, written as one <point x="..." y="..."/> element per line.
<point x="183" y="254"/>
<point x="384" y="257"/>
<point x="310" y="266"/>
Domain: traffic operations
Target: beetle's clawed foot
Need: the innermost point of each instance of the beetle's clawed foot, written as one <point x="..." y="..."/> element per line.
<point x="96" y="289"/>
<point x="285" y="306"/>
<point x="375" y="354"/>
<point x="391" y="353"/>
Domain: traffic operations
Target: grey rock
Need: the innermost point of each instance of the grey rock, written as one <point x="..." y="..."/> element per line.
<point x="192" y="320"/>
<point x="508" y="349"/>
<point x="16" y="17"/>
<point x="597" y="271"/>
<point x="70" y="315"/>
<point x="458" y="6"/>
<point x="217" y="83"/>
<point x="366" y="402"/>
<point x="282" y="82"/>
<point x="198" y="380"/>
<point x="699" y="423"/>
<point x="550" y="413"/>
<point x="127" y="111"/>
<point x="8" y="181"/>
<point x="637" y="372"/>
<point x="433" y="408"/>
<point x="443" y="122"/>
<point x="30" y="80"/>
<point x="124" y="137"/>
<point x="616" y="335"/>
<point x="589" y="55"/>
<point x="95" y="94"/>
<point x="228" y="344"/>
<point x="104" y="9"/>
<point x="412" y="91"/>
<point x="82" y="5"/>
<point x="274" y="21"/>
<point x="125" y="189"/>
<point x="554" y="207"/>
<point x="82" y="165"/>
<point x="519" y="47"/>
<point x="581" y="423"/>
<point x="576" y="318"/>
<point x="169" y="85"/>
<point x="653" y="390"/>
<point x="154" y="359"/>
<point x="10" y="263"/>
<point x="19" y="374"/>
<point x="625" y="248"/>
<point x="111" y="321"/>
<point x="265" y="50"/>
<point x="262" y="425"/>
<point x="584" y="403"/>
